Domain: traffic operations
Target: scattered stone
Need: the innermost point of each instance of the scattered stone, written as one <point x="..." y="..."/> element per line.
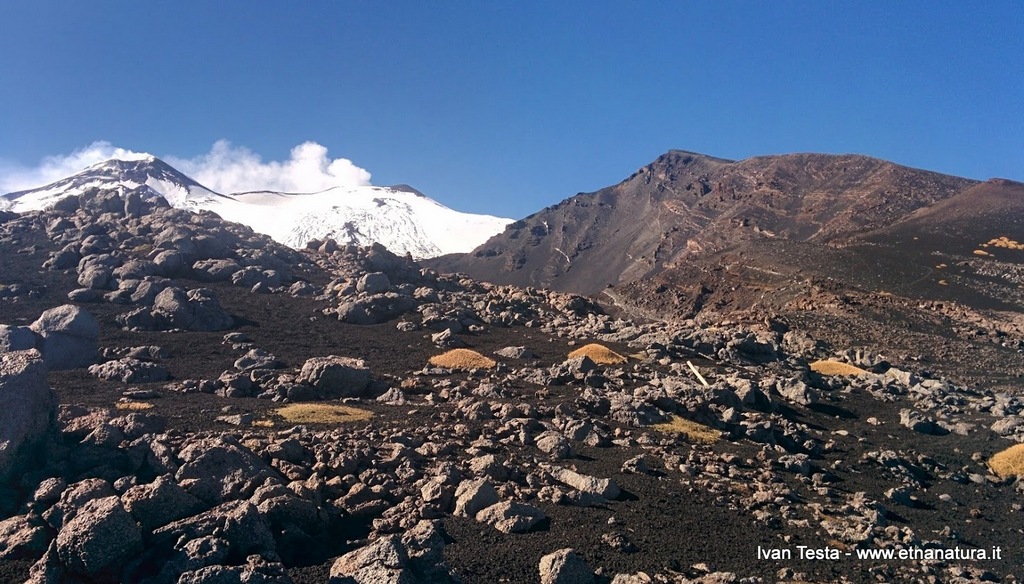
<point x="638" y="465"/>
<point x="919" y="422"/>
<point x="473" y="496"/>
<point x="605" y="488"/>
<point x="508" y="517"/>
<point x="257" y="359"/>
<point x="565" y="566"/>
<point x="554" y="444"/>
<point x="516" y="353"/>
<point x="129" y="370"/>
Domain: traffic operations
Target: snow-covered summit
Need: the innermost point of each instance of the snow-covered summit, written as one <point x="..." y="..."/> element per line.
<point x="401" y="218"/>
<point x="129" y="172"/>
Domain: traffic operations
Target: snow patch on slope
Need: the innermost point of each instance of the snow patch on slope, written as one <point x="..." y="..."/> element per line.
<point x="402" y="221"/>
<point x="399" y="218"/>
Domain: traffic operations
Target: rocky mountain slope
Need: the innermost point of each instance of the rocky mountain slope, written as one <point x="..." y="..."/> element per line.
<point x="684" y="206"/>
<point x="400" y="218"/>
<point x="209" y="405"/>
<point x="858" y="250"/>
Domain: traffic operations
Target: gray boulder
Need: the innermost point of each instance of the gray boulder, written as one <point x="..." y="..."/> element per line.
<point x="373" y="283"/>
<point x="169" y="263"/>
<point x="376" y="309"/>
<point x="22" y="537"/>
<point x="508" y="517"/>
<point x="474" y="496"/>
<point x="920" y="422"/>
<point x="606" y="488"/>
<point x="130" y="370"/>
<point x="159" y="503"/>
<point x="195" y="310"/>
<point x="565" y="567"/>
<point x="16" y="338"/>
<point x="336" y="377"/>
<point x="99" y="540"/>
<point x="382" y="562"/>
<point x="215" y="270"/>
<point x="28" y="411"/>
<point x="238" y="523"/>
<point x="95" y="277"/>
<point x="216" y="470"/>
<point x="74" y="497"/>
<point x="68" y="336"/>
<point x="796" y="391"/>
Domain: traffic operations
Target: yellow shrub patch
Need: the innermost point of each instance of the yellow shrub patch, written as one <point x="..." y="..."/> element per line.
<point x="826" y="367"/>
<point x="1005" y="243"/>
<point x="981" y="252"/>
<point x="133" y="406"/>
<point x="599" y="354"/>
<point x="1009" y="462"/>
<point x="464" y="359"/>
<point x="314" y="413"/>
<point x="692" y="430"/>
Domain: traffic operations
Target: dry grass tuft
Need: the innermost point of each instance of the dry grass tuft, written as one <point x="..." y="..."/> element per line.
<point x="462" y="359"/>
<point x="263" y="423"/>
<point x="1008" y="463"/>
<point x="599" y="354"/>
<point x="692" y="430"/>
<point x="322" y="414"/>
<point x="1005" y="243"/>
<point x="826" y="367"/>
<point x="133" y="406"/>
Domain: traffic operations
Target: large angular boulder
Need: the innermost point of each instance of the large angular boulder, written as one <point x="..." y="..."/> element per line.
<point x="195" y="310"/>
<point x="335" y="377"/>
<point x="22" y="537"/>
<point x="68" y="337"/>
<point x="605" y="488"/>
<point x="130" y="370"/>
<point x="28" y="410"/>
<point x="100" y="539"/>
<point x="565" y="566"/>
<point x="159" y="503"/>
<point x="509" y="517"/>
<point x="376" y="309"/>
<point x="216" y="470"/>
<point x="238" y="523"/>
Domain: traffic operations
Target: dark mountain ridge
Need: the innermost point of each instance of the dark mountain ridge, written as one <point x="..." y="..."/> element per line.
<point x="685" y="205"/>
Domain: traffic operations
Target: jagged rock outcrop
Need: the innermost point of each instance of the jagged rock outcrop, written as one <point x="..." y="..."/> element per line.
<point x="28" y="411"/>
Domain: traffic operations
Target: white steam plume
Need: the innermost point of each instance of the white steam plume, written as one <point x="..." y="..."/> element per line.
<point x="230" y="169"/>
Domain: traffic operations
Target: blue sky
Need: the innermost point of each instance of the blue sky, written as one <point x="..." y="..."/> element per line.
<point x="507" y="107"/>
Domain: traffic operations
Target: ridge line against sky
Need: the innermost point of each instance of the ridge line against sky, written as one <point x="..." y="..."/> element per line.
<point x="506" y="109"/>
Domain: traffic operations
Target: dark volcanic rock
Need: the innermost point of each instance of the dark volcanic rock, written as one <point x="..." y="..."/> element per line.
<point x="99" y="540"/>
